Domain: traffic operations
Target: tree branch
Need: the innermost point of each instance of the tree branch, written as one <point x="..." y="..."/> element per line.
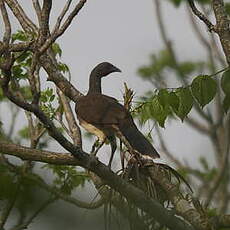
<point x="73" y="127"/>
<point x="131" y="193"/>
<point x="38" y="10"/>
<point x="222" y="26"/>
<point x="44" y="23"/>
<point x="7" y="34"/>
<point x="19" y="13"/>
<point x="201" y="16"/>
<point x="63" y="28"/>
<point x="50" y="66"/>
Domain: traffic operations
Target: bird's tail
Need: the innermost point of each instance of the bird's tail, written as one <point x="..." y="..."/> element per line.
<point x="137" y="140"/>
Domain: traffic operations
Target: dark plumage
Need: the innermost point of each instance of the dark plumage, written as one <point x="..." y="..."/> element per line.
<point x="105" y="117"/>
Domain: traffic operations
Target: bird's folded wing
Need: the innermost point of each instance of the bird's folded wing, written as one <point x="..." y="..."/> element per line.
<point x="100" y="109"/>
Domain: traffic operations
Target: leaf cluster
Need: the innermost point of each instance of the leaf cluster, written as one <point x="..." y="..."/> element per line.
<point x="179" y="101"/>
<point x="67" y="178"/>
<point x="47" y="97"/>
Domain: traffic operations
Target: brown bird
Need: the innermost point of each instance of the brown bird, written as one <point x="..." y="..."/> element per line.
<point x="104" y="117"/>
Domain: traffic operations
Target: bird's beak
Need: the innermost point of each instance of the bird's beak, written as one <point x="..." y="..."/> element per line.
<point x="116" y="69"/>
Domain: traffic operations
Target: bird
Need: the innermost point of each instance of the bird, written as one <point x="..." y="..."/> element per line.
<point x="101" y="70"/>
<point x="105" y="117"/>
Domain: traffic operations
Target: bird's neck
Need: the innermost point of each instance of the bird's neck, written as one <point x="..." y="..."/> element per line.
<point x="94" y="83"/>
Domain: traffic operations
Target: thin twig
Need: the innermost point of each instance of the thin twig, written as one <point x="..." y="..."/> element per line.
<point x="7" y="34"/>
<point x="201" y="16"/>
<point x="72" y="124"/>
<point x="19" y="13"/>
<point x="63" y="28"/>
<point x="61" y="16"/>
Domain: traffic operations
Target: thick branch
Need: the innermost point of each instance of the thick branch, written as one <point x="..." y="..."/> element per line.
<point x="222" y="26"/>
<point x="133" y="194"/>
<point x="60" y="81"/>
<point x="45" y="15"/>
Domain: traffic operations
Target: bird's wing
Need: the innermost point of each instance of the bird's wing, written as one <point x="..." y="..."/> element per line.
<point x="100" y="109"/>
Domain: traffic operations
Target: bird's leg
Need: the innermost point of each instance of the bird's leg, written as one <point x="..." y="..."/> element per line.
<point x="122" y="156"/>
<point x="113" y="144"/>
<point x="96" y="146"/>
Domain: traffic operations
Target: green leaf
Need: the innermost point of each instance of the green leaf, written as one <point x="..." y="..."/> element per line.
<point x="226" y="103"/>
<point x="204" y="89"/>
<point x="52" y="98"/>
<point x="158" y="112"/>
<point x="20" y="36"/>
<point x="185" y="102"/>
<point x="49" y="92"/>
<point x="23" y="56"/>
<point x="225" y="82"/>
<point x="163" y="97"/>
<point x="63" y="67"/>
<point x="173" y="101"/>
<point x="56" y="49"/>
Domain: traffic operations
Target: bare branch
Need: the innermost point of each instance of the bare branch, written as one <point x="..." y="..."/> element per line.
<point x="19" y="13"/>
<point x="6" y="20"/>
<point x="38" y="10"/>
<point x="73" y="127"/>
<point x="61" y="16"/>
<point x="222" y="26"/>
<point x="63" y="28"/>
<point x="44" y="23"/>
<point x="201" y="16"/>
<point x="50" y="66"/>
<point x="129" y="191"/>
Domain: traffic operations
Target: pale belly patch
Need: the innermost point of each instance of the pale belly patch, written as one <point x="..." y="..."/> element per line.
<point x="92" y="129"/>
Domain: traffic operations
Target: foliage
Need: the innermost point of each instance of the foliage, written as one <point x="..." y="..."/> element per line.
<point x="179" y="101"/>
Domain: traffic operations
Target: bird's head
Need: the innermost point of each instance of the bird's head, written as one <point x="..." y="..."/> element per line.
<point x="105" y="68"/>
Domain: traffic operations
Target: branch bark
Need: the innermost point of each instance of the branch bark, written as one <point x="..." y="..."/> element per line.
<point x="132" y="193"/>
